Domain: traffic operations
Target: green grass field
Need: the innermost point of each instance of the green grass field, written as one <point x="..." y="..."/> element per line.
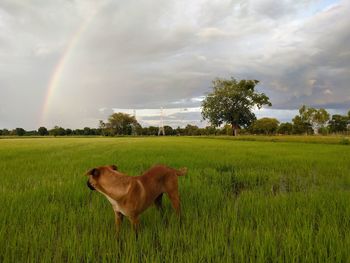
<point x="242" y="201"/>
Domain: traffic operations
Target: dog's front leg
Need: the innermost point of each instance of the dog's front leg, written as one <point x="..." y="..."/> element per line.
<point x="135" y="224"/>
<point x="118" y="221"/>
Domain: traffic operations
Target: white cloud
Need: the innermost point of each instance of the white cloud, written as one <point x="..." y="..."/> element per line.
<point x="327" y="92"/>
<point x="211" y="32"/>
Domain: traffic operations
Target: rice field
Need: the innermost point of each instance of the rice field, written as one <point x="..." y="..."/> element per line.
<point x="242" y="201"/>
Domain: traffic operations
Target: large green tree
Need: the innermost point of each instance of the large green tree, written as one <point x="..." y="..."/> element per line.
<point x="232" y="102"/>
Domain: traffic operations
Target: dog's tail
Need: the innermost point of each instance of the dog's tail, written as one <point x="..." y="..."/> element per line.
<point x="182" y="171"/>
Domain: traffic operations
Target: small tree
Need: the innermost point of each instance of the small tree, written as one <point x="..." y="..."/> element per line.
<point x="179" y="131"/>
<point x="338" y="123"/>
<point x="191" y="130"/>
<point x="316" y="118"/>
<point x="153" y="130"/>
<point x="168" y="130"/>
<point x="19" y="131"/>
<point x="87" y="131"/>
<point x="5" y="132"/>
<point x="68" y="131"/>
<point x="43" y="131"/>
<point x="232" y="102"/>
<point x="102" y="126"/>
<point x="226" y="130"/>
<point x="57" y="131"/>
<point x="285" y="128"/>
<point x="320" y="120"/>
<point x="210" y="130"/>
<point x="265" y="126"/>
<point x="78" y="132"/>
<point x="300" y="126"/>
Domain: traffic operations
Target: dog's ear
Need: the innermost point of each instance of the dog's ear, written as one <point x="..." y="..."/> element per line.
<point x="95" y="172"/>
<point x="114" y="167"/>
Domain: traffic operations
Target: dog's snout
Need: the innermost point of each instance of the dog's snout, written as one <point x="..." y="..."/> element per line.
<point x="90" y="186"/>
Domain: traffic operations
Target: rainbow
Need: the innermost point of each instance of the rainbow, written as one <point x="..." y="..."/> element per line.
<point x="59" y="68"/>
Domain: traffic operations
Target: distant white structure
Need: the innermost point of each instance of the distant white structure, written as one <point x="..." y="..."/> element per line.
<point x="161" y="130"/>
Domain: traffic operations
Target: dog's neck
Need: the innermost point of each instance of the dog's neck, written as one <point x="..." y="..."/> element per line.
<point x="119" y="174"/>
<point x="118" y="186"/>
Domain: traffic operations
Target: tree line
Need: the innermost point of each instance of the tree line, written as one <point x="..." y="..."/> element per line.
<point x="189" y="130"/>
<point x="309" y="121"/>
<point x="229" y="108"/>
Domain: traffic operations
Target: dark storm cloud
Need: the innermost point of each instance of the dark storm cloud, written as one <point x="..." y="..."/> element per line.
<point x="152" y="54"/>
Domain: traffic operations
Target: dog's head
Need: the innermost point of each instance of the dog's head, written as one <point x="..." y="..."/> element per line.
<point x="100" y="176"/>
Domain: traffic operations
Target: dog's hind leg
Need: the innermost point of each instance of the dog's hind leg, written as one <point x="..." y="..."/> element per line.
<point x="171" y="188"/>
<point x="175" y="201"/>
<point x="158" y="203"/>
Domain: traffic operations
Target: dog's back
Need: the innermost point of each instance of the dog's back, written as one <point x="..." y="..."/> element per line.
<point x="163" y="170"/>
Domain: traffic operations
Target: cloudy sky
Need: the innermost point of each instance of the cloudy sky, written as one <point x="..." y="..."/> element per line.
<point x="74" y="62"/>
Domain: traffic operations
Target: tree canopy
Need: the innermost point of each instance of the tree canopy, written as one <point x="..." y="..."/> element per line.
<point x="338" y="123"/>
<point x="265" y="126"/>
<point x="43" y="131"/>
<point x="311" y="117"/>
<point x="232" y="102"/>
<point x="19" y="131"/>
<point x="285" y="128"/>
<point x="121" y="124"/>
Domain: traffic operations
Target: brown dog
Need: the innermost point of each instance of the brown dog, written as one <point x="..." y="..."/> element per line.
<point x="131" y="195"/>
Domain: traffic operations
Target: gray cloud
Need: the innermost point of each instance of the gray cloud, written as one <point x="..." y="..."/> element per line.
<point x="180" y="119"/>
<point x="152" y="54"/>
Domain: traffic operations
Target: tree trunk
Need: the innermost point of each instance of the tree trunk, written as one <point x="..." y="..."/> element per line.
<point x="234" y="129"/>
